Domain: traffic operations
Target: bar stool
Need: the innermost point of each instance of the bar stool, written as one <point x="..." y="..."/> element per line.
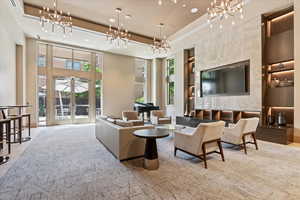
<point x="6" y="122"/>
<point x="17" y="128"/>
<point x="18" y="118"/>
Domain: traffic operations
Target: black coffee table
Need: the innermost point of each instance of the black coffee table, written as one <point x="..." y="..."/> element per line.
<point x="151" y="157"/>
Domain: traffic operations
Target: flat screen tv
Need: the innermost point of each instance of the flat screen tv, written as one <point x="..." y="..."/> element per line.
<point x="229" y="80"/>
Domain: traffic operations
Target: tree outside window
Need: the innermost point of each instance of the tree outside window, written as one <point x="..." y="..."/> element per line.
<point x="170" y="81"/>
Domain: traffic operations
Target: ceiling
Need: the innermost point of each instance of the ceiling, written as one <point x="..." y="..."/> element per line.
<point x="146" y="14"/>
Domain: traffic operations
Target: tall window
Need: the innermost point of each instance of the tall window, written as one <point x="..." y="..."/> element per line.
<point x="140" y="80"/>
<point x="170" y="81"/>
<point x="98" y="86"/>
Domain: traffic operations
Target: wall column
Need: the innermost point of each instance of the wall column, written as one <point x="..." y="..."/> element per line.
<point x="31" y="79"/>
<point x="297" y="69"/>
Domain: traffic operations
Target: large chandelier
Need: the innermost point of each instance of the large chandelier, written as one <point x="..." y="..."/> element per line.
<point x="160" y="2"/>
<point x="118" y="36"/>
<point x="55" y="18"/>
<point x="223" y="9"/>
<point x="160" y="42"/>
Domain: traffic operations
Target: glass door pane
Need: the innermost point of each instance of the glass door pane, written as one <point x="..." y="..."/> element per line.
<point x="63" y="99"/>
<point x="81" y="98"/>
<point x="42" y="96"/>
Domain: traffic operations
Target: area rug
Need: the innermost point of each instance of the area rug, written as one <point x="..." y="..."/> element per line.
<point x="68" y="163"/>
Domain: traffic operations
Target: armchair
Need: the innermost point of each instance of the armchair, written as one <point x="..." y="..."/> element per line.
<point x="132" y="116"/>
<point x="159" y="117"/>
<point x="200" y="141"/>
<point x="242" y="133"/>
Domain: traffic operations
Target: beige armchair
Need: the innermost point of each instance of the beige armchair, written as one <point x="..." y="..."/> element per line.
<point x="159" y="117"/>
<point x="132" y="116"/>
<point x="242" y="133"/>
<point x="200" y="141"/>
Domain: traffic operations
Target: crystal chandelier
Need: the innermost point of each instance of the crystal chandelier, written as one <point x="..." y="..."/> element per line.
<point x="160" y="2"/>
<point x="223" y="9"/>
<point x="119" y="35"/>
<point x="160" y="43"/>
<point x="56" y="18"/>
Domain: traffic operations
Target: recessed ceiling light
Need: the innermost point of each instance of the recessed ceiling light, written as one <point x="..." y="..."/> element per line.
<point x="112" y="20"/>
<point x="86" y="40"/>
<point x="183" y="5"/>
<point x="194" y="10"/>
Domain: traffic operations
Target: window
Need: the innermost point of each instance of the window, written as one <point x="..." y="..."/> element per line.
<point x="140" y="81"/>
<point x="42" y="96"/>
<point x="170" y="81"/>
<point x="98" y="85"/>
<point x="71" y="59"/>
<point x="42" y="50"/>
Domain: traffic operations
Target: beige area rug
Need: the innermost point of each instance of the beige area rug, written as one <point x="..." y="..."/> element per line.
<point x="68" y="163"/>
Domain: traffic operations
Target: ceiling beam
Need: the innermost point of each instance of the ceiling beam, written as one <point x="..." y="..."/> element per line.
<point x="87" y="24"/>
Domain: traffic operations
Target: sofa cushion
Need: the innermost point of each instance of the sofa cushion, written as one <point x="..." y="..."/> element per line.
<point x="137" y="122"/>
<point x="124" y="123"/>
<point x="111" y="120"/>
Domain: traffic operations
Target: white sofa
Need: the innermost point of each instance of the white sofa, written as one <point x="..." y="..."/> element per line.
<point x="119" y="140"/>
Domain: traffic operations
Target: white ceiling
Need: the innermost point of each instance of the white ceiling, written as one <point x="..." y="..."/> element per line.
<point x="146" y="14"/>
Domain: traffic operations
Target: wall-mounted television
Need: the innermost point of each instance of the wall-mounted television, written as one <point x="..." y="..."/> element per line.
<point x="228" y="80"/>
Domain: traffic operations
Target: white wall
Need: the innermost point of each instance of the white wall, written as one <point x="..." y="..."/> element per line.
<point x="297" y="70"/>
<point x="10" y="35"/>
<point x="118" y="84"/>
<point x="220" y="47"/>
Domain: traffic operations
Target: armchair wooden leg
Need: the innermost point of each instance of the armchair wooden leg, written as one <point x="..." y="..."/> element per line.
<point x="175" y="150"/>
<point x="204" y="155"/>
<point x="221" y="150"/>
<point x="244" y="144"/>
<point x="254" y="139"/>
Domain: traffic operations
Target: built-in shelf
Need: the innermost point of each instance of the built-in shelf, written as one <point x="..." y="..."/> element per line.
<point x="278" y="76"/>
<point x="230" y="116"/>
<point x="189" y="79"/>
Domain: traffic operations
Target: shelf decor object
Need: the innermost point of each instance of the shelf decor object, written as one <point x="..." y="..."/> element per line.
<point x="119" y="35"/>
<point x="55" y="18"/>
<point x="160" y="42"/>
<point x="224" y="9"/>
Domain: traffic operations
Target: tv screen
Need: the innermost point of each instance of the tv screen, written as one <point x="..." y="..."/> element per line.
<point x="229" y="80"/>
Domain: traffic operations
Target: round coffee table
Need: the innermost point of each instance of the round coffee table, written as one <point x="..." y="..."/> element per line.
<point x="151" y="157"/>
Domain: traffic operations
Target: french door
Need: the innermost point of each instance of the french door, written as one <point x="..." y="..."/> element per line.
<point x="71" y="100"/>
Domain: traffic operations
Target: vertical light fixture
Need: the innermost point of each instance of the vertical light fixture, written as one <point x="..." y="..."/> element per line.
<point x="224" y="9"/>
<point x="119" y="36"/>
<point x="160" y="42"/>
<point x="55" y="18"/>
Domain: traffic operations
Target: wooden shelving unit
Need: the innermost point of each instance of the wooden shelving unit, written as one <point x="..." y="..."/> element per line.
<point x="230" y="116"/>
<point x="189" y="82"/>
<point x="278" y="75"/>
